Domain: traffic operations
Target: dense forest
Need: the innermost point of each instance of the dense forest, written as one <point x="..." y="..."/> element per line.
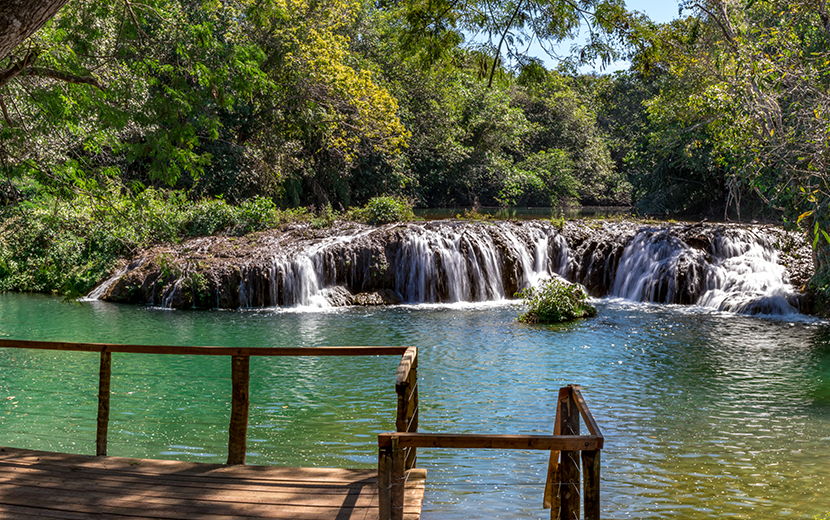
<point x="127" y="123"/>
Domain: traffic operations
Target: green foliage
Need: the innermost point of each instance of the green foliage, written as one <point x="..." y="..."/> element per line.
<point x="384" y="210"/>
<point x="555" y="301"/>
<point x="54" y="245"/>
<point x="543" y="179"/>
<point x="235" y="98"/>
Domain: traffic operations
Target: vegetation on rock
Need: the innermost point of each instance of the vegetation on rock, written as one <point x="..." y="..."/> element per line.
<point x="555" y="301"/>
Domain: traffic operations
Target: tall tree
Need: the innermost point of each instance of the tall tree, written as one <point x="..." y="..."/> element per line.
<point x="19" y="19"/>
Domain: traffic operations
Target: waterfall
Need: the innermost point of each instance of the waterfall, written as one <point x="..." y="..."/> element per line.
<point x="729" y="268"/>
<point x="652" y="269"/>
<point x="101" y="289"/>
<point x="737" y="272"/>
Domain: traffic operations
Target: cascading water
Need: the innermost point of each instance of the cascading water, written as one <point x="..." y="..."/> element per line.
<point x="737" y="272"/>
<point x="447" y="265"/>
<point x="724" y="267"/>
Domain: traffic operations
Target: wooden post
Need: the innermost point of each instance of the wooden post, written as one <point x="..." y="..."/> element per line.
<point x="238" y="431"/>
<point x="554" y="481"/>
<point x="590" y="483"/>
<point x="398" y="480"/>
<point x="384" y="480"/>
<point x="569" y="465"/>
<point x="391" y="481"/>
<point x="406" y="387"/>
<point x="104" y="377"/>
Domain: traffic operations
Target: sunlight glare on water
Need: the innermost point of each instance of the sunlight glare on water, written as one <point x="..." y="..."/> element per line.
<point x="705" y="414"/>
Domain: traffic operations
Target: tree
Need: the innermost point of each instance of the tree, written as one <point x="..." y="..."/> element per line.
<point x="504" y="29"/>
<point x="19" y="19"/>
<point x="196" y="94"/>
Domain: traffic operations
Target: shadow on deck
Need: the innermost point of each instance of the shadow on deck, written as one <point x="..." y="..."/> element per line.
<point x="37" y="484"/>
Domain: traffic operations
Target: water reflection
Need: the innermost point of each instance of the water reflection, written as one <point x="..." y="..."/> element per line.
<point x="706" y="415"/>
<point x="568" y="212"/>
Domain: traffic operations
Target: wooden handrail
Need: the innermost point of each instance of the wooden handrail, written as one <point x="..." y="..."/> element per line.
<point x="204" y="350"/>
<point x="592" y="425"/>
<point x="406" y="379"/>
<point x="406" y="386"/>
<point x="487" y="441"/>
<point x="408" y="363"/>
<point x="562" y="485"/>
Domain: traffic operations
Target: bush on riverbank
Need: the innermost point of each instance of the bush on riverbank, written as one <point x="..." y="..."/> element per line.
<point x="383" y="210"/>
<point x="56" y="245"/>
<point x="555" y="301"/>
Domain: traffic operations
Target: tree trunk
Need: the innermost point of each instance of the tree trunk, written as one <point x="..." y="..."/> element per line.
<point x="21" y="18"/>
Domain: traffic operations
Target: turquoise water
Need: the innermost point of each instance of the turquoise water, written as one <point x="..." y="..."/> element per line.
<point x="706" y="415"/>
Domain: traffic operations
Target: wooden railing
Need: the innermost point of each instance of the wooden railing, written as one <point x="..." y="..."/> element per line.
<point x="406" y="384"/>
<point x="566" y="445"/>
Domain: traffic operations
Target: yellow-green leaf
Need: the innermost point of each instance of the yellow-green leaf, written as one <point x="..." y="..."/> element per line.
<point x="803" y="216"/>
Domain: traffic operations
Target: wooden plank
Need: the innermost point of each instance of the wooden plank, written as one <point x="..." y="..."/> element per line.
<point x="194" y="502"/>
<point x="587" y="416"/>
<point x="238" y="429"/>
<point x="204" y="350"/>
<point x="209" y="481"/>
<point x="50" y="485"/>
<point x="104" y="376"/>
<point x="93" y="508"/>
<point x="485" y="441"/>
<point x="161" y="467"/>
<point x="39" y="513"/>
<point x="174" y="488"/>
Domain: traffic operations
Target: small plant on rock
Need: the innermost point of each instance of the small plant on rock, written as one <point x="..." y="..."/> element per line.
<point x="555" y="301"/>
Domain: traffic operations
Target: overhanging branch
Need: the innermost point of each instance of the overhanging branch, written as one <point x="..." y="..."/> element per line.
<point x="63" y="76"/>
<point x="25" y="67"/>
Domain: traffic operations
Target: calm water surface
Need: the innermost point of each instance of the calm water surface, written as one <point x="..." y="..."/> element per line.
<point x="706" y="415"/>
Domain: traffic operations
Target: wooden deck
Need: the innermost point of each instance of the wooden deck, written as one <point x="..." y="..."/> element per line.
<point x="37" y="484"/>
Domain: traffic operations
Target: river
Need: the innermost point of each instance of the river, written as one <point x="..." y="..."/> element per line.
<point x="706" y="414"/>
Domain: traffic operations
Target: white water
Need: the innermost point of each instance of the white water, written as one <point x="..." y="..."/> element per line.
<point x="435" y="264"/>
<point x="454" y="262"/>
<point x="99" y="291"/>
<point x="738" y="273"/>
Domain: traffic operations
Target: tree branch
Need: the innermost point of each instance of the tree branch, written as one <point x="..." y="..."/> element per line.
<point x="497" y="57"/>
<point x="5" y="112"/>
<point x="9" y="74"/>
<point x="63" y="76"/>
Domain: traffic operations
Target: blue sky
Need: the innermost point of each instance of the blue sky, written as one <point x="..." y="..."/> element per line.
<point x="657" y="10"/>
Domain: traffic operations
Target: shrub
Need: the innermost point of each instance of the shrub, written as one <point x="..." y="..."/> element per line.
<point x="384" y="210"/>
<point x="555" y="301"/>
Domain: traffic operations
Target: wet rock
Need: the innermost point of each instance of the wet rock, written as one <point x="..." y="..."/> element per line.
<point x="339" y="296"/>
<point x="382" y="297"/>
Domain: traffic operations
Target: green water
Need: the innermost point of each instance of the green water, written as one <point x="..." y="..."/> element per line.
<point x="568" y="212"/>
<point x="706" y="415"/>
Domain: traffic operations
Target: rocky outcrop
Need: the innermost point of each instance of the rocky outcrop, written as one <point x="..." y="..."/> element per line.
<point x="447" y="261"/>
